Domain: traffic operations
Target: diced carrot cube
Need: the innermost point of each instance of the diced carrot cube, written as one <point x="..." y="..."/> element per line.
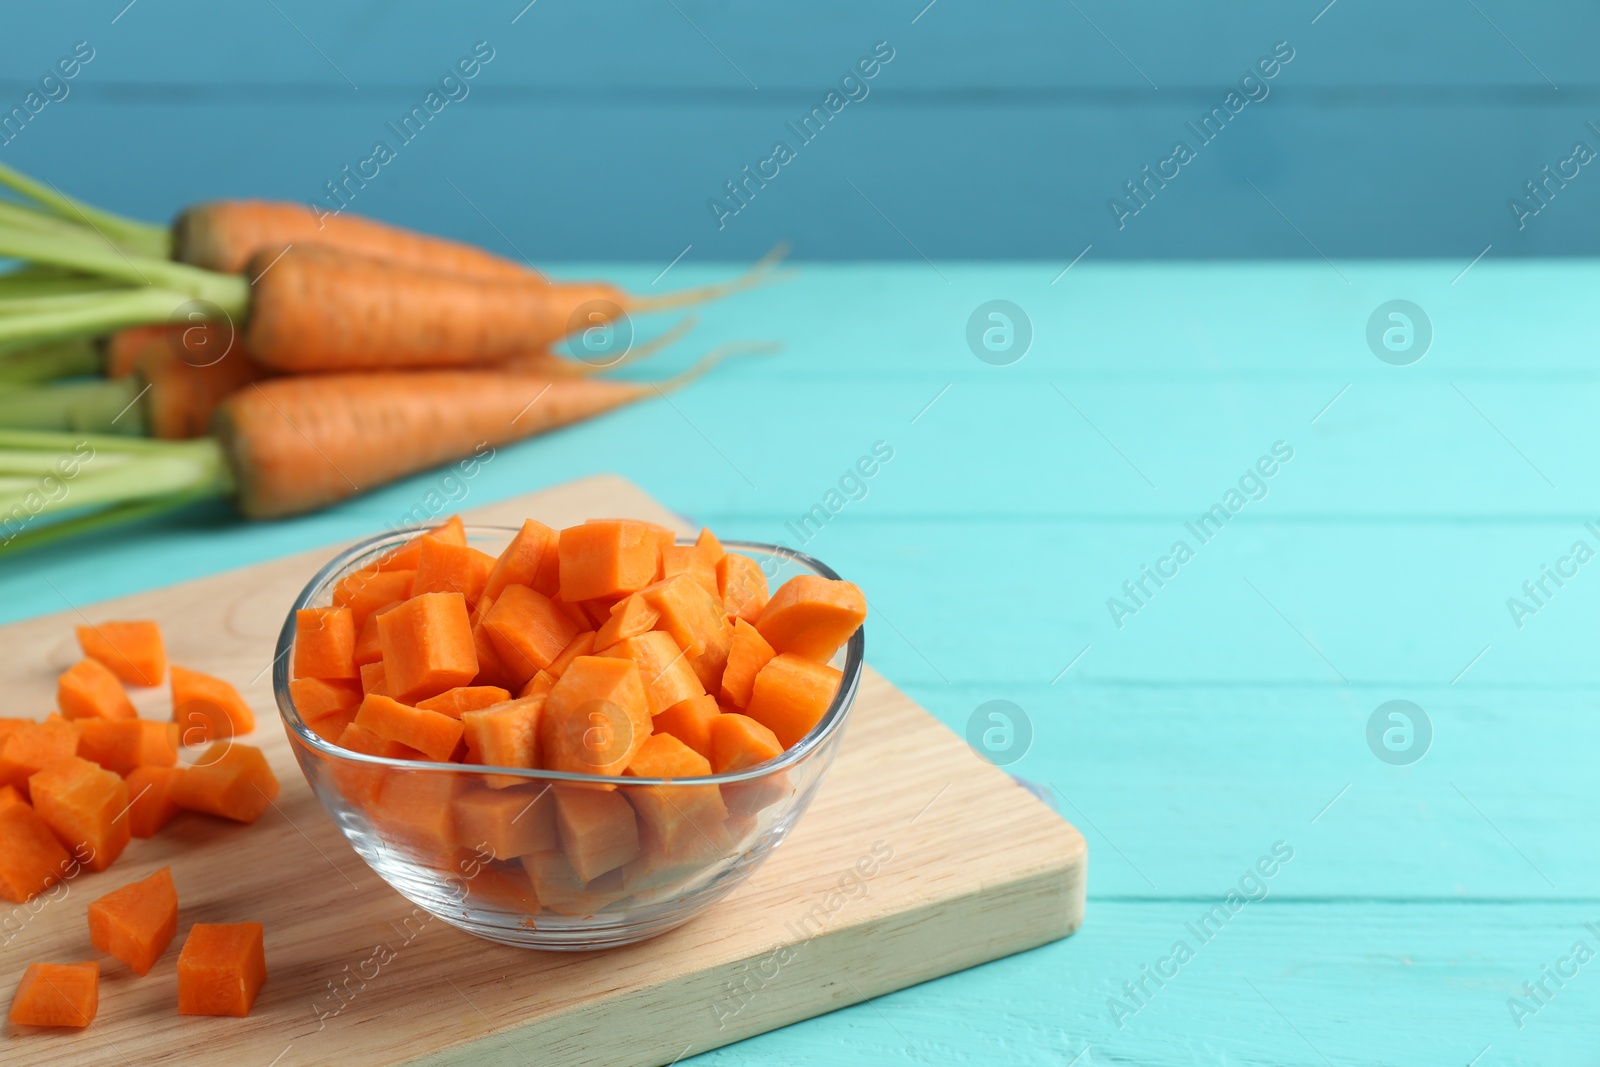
<point x="667" y="675"/>
<point x="417" y="809"/>
<point x="812" y="616"/>
<point x="541" y="682"/>
<point x="508" y="823"/>
<point x="360" y="739"/>
<point x="492" y="670"/>
<point x="136" y="923"/>
<point x="429" y="732"/>
<point x="364" y="592"/>
<point x="230" y="780"/>
<point x="331" y="727"/>
<point x="531" y="559"/>
<point x="709" y="663"/>
<point x="221" y="969"/>
<point x="657" y="869"/>
<point x="427" y="646"/>
<point x="607" y="557"/>
<point x="748" y="653"/>
<point x="528" y="630"/>
<point x="575" y="612"/>
<point x="791" y="694"/>
<point x="739" y="742"/>
<point x="373" y="679"/>
<point x="506" y="735"/>
<point x="404" y="558"/>
<point x="57" y="994"/>
<point x="316" y="699"/>
<point x="691" y="615"/>
<point x="207" y="708"/>
<point x="447" y="568"/>
<point x="743" y="586"/>
<point x="120" y="745"/>
<point x="31" y="859"/>
<point x="88" y="690"/>
<point x="325" y="643"/>
<point x="690" y="722"/>
<point x="582" y="645"/>
<point x="596" y="828"/>
<point x="560" y="890"/>
<point x="87" y="808"/>
<point x="632" y="616"/>
<point x="690" y="561"/>
<point x="11" y="797"/>
<point x="369" y="647"/>
<point x="150" y="803"/>
<point x="453" y="702"/>
<point x="34" y="746"/>
<point x="595" y="718"/>
<point x="133" y="650"/>
<point x="676" y="814"/>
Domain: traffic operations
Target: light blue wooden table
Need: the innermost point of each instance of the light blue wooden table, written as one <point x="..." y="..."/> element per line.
<point x="1229" y="714"/>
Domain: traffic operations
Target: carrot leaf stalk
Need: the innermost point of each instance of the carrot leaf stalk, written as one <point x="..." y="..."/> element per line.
<point x="54" y="359"/>
<point x="133" y="235"/>
<point x="53" y="484"/>
<point x="93" y="406"/>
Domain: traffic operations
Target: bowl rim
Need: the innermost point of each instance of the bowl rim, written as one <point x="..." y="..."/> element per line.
<point x="831" y="723"/>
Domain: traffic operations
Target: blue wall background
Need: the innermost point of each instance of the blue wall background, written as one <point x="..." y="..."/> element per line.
<point x="601" y="129"/>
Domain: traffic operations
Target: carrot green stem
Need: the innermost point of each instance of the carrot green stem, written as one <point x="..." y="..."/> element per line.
<point x="127" y="475"/>
<point x="229" y="292"/>
<point x="96" y="406"/>
<point x="136" y="236"/>
<point x="55" y="359"/>
<point x="110" y="311"/>
<point x="78" y="525"/>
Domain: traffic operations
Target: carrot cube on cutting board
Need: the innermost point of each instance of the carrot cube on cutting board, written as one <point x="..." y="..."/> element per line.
<point x="132" y="650"/>
<point x="87" y="807"/>
<point x="221" y="969"/>
<point x="136" y="923"/>
<point x="57" y="994"/>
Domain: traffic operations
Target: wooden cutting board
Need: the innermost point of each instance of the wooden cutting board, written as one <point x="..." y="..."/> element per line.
<point x="967" y="867"/>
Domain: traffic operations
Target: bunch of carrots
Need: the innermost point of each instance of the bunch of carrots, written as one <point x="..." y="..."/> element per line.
<point x="282" y="360"/>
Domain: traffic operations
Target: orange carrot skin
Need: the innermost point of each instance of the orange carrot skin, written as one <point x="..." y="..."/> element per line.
<point x="184" y="390"/>
<point x="296" y="444"/>
<point x="224" y="234"/>
<point x="318" y="310"/>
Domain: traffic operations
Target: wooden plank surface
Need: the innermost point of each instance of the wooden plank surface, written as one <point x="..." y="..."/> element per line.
<point x="967" y="866"/>
<point x="1188" y="742"/>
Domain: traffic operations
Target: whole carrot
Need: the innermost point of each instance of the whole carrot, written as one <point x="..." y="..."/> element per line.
<point x="224" y="235"/>
<point x="295" y="444"/>
<point x="288" y="445"/>
<point x="322" y="309"/>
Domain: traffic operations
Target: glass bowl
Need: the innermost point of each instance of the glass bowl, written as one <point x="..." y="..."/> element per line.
<point x="481" y="849"/>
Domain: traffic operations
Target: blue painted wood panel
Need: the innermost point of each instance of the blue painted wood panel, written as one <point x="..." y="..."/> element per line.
<point x="605" y="130"/>
<point x="1231" y="710"/>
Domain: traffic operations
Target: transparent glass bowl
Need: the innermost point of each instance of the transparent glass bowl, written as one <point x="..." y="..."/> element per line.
<point x="480" y="847"/>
